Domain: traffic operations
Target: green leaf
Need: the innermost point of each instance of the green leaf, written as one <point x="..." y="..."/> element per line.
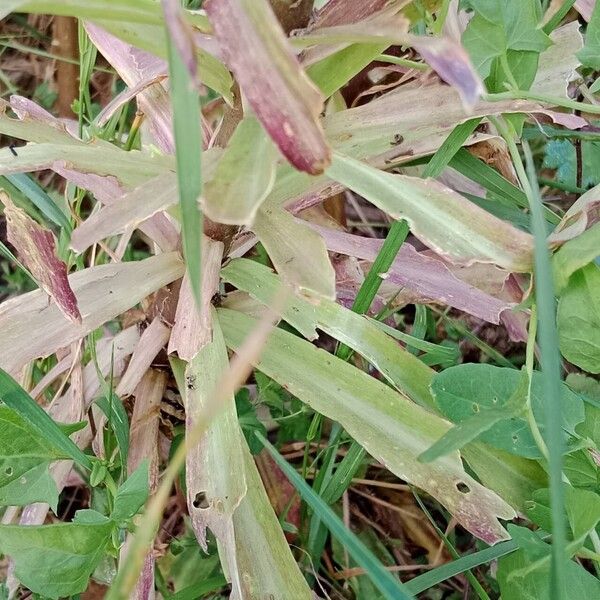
<point x="117" y="418"/>
<point x="28" y="186"/>
<point x="501" y="33"/>
<point x="473" y="427"/>
<point x="188" y="152"/>
<point x="132" y="494"/>
<point x="578" y="583"/>
<point x="561" y="155"/>
<point x="589" y="55"/>
<point x="34" y="417"/>
<point x="464" y="390"/>
<point x="383" y="579"/>
<point x="56" y="560"/>
<point x="27" y="486"/>
<point x="385" y="423"/>
<point x="583" y="511"/>
<point x="579" y="319"/>
<point x="244" y="175"/>
<point x="575" y="254"/>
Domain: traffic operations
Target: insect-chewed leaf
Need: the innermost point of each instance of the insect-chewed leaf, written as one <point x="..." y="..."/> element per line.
<point x="389" y="426"/>
<point x="280" y="93"/>
<point x="36" y="246"/>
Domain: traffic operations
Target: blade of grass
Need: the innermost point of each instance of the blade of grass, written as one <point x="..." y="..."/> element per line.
<point x="550" y="357"/>
<point x="389" y="586"/>
<point x="472" y="579"/>
<point x="558" y="16"/>
<point x="29" y="187"/>
<point x="188" y="153"/>
<point x="550" y="363"/>
<point x="15" y="397"/>
<point x="452" y="144"/>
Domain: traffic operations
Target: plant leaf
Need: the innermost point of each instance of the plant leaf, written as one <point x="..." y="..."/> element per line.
<point x="281" y="95"/>
<point x="389" y="426"/>
<point x="437" y="216"/>
<point x="36" y="247"/>
<point x="132" y="494"/>
<point x="590" y="54"/>
<point x="34" y="416"/>
<point x="464" y="390"/>
<point x="298" y="253"/>
<point x="102" y="292"/>
<point x="579" y="319"/>
<point x="55" y="560"/>
<point x="244" y="176"/>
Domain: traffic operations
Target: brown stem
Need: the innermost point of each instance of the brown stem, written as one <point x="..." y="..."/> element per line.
<point x="66" y="45"/>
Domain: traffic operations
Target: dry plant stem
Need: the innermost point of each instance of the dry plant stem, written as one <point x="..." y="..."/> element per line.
<point x="67" y="72"/>
<point x="231" y="380"/>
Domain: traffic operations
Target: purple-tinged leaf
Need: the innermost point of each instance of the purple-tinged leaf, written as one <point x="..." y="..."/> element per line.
<point x="182" y="35"/>
<point x="585" y="8"/>
<point x="31" y="328"/>
<point x="36" y="247"/>
<point x="192" y="329"/>
<point x="429" y="278"/>
<point x="279" y="91"/>
<point x="343" y="12"/>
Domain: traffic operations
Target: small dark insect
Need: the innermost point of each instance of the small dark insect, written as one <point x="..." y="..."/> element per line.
<point x="191" y="382"/>
<point x="398" y="139"/>
<point x="11" y="147"/>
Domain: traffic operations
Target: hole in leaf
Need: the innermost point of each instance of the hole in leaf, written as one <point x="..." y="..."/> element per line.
<point x="475" y="407"/>
<point x="201" y="501"/>
<point x="515" y="439"/>
<point x="462" y="487"/>
<point x="8" y="471"/>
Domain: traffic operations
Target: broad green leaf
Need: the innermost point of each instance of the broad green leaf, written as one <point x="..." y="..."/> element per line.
<point x="579" y="583"/>
<point x="583" y="511"/>
<point x="474" y="426"/>
<point x="400" y="368"/>
<point x="132" y="494"/>
<point x="297" y="252"/>
<point x="56" y="560"/>
<point x="437" y="216"/>
<point x="188" y="153"/>
<point x="244" y="176"/>
<point x="34" y="485"/>
<point x="24" y="458"/>
<point x="383" y="579"/>
<point x="590" y="54"/>
<point x="465" y="390"/>
<point x="579" y="319"/>
<point x="505" y="33"/>
<point x="575" y="254"/>
<point x="390" y="427"/>
<point x="23" y="413"/>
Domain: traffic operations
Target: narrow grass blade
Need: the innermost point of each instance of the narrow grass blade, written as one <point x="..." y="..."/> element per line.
<point x="551" y="368"/>
<point x="28" y="186"/>
<point x="188" y="152"/>
<point x="383" y="579"/>
<point x="452" y="144"/>
<point x="15" y="397"/>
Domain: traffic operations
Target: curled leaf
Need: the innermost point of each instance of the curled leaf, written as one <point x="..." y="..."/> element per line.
<point x="36" y="247"/>
<point x="279" y="91"/>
